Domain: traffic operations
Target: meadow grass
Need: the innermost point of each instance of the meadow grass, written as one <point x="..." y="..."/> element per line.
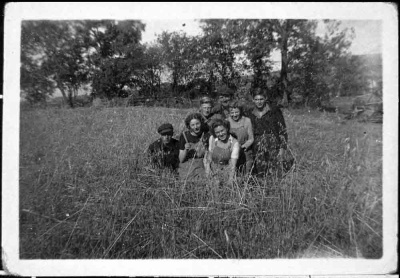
<point x="86" y="192"/>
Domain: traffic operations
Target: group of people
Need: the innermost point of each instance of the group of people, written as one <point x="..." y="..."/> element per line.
<point x="224" y="139"/>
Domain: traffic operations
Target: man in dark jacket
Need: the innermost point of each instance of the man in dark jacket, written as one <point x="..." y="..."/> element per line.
<point x="164" y="152"/>
<point x="270" y="134"/>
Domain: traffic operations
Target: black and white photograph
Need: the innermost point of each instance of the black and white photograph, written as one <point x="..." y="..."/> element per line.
<point x="210" y="139"/>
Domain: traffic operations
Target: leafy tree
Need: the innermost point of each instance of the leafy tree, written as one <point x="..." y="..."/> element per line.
<point x="284" y="35"/>
<point x="309" y="64"/>
<point x="317" y="63"/>
<point x="179" y="54"/>
<point x="52" y="54"/>
<point x="117" y="56"/>
<point x="285" y="29"/>
<point x="259" y="47"/>
<point x="355" y="72"/>
<point x="35" y="86"/>
<point x="221" y="44"/>
<point x="150" y="78"/>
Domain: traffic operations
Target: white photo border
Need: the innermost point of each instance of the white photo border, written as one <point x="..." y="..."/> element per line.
<point x="16" y="12"/>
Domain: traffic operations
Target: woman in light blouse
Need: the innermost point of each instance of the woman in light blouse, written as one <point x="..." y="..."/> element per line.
<point x="223" y="153"/>
<point x="242" y="129"/>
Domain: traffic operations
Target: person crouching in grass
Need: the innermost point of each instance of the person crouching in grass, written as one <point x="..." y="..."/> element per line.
<point x="270" y="135"/>
<point x="242" y="130"/>
<point x="164" y="152"/>
<point x="205" y="111"/>
<point x="193" y="145"/>
<point x="223" y="153"/>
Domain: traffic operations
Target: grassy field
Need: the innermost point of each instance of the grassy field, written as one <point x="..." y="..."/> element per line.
<point x="85" y="192"/>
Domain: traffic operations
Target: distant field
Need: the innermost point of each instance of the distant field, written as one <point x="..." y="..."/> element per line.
<point x="85" y="192"/>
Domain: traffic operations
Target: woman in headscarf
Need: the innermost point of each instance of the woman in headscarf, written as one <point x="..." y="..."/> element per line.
<point x="223" y="153"/>
<point x="242" y="129"/>
<point x="270" y="136"/>
<point x="193" y="144"/>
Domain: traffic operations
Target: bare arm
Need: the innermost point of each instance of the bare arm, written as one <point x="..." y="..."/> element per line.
<point x="182" y="155"/>
<point x="232" y="168"/>
<point x="207" y="162"/>
<point x="207" y="157"/>
<point x="250" y="141"/>
<point x="233" y="161"/>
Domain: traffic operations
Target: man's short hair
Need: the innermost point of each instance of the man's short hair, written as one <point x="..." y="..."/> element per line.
<point x="260" y="91"/>
<point x="205" y="99"/>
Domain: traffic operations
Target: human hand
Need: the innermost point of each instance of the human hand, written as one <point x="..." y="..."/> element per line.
<point x="187" y="146"/>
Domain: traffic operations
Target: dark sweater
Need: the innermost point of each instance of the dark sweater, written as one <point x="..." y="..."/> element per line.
<point x="272" y="124"/>
<point x="165" y="156"/>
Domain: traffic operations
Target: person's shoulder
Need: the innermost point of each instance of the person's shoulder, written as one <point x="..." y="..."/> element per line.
<point x="183" y="136"/>
<point x="275" y="107"/>
<point x="216" y="108"/>
<point x="277" y="111"/>
<point x="184" y="133"/>
<point x="234" y="140"/>
<point x="246" y="119"/>
<point x="250" y="114"/>
<point x="155" y="144"/>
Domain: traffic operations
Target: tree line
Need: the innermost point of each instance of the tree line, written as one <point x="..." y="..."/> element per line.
<point x="236" y="53"/>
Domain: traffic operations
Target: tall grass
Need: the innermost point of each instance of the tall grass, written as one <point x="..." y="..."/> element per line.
<point x="85" y="192"/>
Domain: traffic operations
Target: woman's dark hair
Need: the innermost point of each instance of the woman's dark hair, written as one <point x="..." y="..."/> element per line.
<point x="236" y="104"/>
<point x="218" y="123"/>
<point x="192" y="116"/>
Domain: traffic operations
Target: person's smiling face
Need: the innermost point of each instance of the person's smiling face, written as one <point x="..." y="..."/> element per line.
<point x="235" y="114"/>
<point x="221" y="132"/>
<point x="195" y="126"/>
